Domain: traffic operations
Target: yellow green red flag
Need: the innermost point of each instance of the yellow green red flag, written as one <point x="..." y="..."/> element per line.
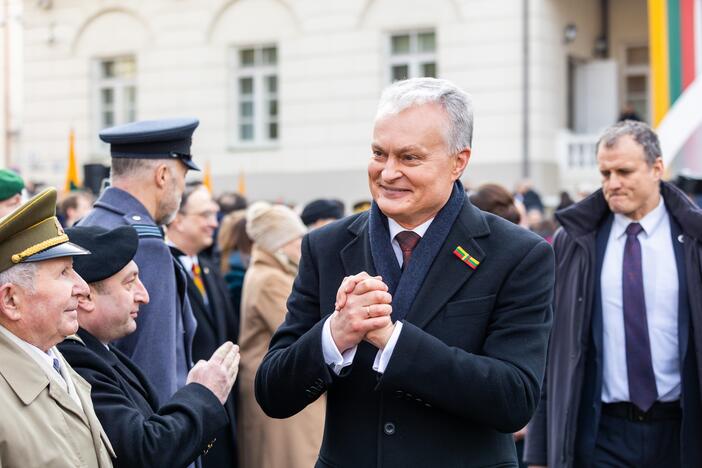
<point x="72" y="181"/>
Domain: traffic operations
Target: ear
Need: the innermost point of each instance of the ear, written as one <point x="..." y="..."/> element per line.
<point x="658" y="168"/>
<point x="161" y="175"/>
<point x="9" y="302"/>
<point x="460" y="162"/>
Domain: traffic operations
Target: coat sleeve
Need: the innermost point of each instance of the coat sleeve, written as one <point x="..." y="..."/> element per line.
<point x="173" y="436"/>
<point x="499" y="388"/>
<point x="293" y="373"/>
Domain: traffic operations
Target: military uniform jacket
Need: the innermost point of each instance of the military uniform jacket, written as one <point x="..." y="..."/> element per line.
<point x="161" y="345"/>
<point x="41" y="425"/>
<point x="143" y="433"/>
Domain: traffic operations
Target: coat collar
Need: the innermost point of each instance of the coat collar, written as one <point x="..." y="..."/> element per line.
<point x="586" y="216"/>
<point x="447" y="271"/>
<point x="122" y="203"/>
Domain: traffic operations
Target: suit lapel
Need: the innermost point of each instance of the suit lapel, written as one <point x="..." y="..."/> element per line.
<point x="96" y="430"/>
<point x="448" y="273"/>
<point x="356" y="255"/>
<point x="130" y="372"/>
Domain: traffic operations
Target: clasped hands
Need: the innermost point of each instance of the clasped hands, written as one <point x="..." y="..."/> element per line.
<point x="362" y="312"/>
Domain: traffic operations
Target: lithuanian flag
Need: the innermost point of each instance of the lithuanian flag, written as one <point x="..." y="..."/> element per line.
<point x="676" y="59"/>
<point x="72" y="181"/>
<point x="207" y="177"/>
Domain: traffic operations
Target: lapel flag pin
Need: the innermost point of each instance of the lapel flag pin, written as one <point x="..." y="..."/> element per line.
<point x="466" y="258"/>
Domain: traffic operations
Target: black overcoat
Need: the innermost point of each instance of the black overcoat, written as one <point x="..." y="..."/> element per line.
<point x="467" y="367"/>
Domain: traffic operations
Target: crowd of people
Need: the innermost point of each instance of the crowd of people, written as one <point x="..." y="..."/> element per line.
<point x="155" y="325"/>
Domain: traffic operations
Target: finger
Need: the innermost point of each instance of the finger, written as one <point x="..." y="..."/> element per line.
<point x="378" y="310"/>
<point x="347" y="286"/>
<point x="221" y="352"/>
<point x="374" y="297"/>
<point x="369" y="284"/>
<point x="234" y="369"/>
<point x="374" y="323"/>
<point x="228" y="360"/>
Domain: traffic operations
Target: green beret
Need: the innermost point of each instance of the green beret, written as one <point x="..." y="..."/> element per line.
<point x="10" y="184"/>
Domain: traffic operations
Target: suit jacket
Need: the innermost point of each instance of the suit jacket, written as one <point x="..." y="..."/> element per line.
<point x="466" y="369"/>
<point x="161" y="345"/>
<point x="41" y="425"/>
<point x="143" y="432"/>
<point x="216" y="324"/>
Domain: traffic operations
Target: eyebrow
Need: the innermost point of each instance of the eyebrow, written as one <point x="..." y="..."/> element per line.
<point x="404" y="149"/>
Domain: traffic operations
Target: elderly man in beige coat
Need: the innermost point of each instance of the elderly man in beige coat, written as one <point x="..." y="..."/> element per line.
<point x="47" y="416"/>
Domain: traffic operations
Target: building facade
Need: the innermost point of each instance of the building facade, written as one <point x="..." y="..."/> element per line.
<point x="286" y="89"/>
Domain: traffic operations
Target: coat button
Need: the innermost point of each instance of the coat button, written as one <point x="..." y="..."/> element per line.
<point x="389" y="428"/>
<point x="136" y="218"/>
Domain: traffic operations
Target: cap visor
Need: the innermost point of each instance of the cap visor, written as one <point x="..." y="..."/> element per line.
<point x="66" y="249"/>
<point x="191" y="165"/>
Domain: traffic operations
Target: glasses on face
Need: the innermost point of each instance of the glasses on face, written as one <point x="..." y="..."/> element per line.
<point x="209" y="214"/>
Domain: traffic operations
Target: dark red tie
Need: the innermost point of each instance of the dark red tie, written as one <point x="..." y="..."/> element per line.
<point x="642" y="380"/>
<point x="408" y="241"/>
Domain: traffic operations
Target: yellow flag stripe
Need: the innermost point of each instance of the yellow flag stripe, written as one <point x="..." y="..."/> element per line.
<point x="658" y="50"/>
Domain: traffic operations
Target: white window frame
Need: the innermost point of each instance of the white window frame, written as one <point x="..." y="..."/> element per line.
<point x="413" y="59"/>
<point x="261" y="96"/>
<point x="119" y="86"/>
<point x="635" y="70"/>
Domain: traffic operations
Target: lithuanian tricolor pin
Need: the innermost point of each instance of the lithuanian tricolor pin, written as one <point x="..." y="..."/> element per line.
<point x="466" y="258"/>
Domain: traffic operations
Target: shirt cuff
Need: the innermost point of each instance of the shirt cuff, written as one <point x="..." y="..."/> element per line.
<point x="332" y="356"/>
<point x="382" y="358"/>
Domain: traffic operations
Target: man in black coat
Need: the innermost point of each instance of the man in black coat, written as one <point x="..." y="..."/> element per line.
<point x="430" y="354"/>
<point x="623" y="392"/>
<point x="143" y="431"/>
<point x="188" y="235"/>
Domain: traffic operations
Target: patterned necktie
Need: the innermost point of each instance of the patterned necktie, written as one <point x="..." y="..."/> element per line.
<point x="197" y="279"/>
<point x="57" y="368"/>
<point x="642" y="380"/>
<point x="408" y="241"/>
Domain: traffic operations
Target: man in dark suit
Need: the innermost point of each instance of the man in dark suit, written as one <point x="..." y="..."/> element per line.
<point x="188" y="235"/>
<point x="144" y="431"/>
<point x="436" y="349"/>
<point x="622" y="383"/>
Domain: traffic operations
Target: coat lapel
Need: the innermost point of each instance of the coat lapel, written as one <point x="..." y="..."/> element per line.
<point x="448" y="273"/>
<point x="356" y="255"/>
<point x="96" y="430"/>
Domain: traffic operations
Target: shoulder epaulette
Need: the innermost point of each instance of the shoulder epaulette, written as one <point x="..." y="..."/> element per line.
<point x="148" y="231"/>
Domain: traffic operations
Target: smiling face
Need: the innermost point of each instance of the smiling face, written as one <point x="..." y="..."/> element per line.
<point x="116" y="304"/>
<point x="48" y="313"/>
<point x="411" y="172"/>
<point x="630" y="184"/>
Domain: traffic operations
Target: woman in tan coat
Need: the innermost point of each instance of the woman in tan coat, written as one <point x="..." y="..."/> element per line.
<point x="265" y="442"/>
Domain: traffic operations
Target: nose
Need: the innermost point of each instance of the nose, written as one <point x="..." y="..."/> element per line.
<point x="390" y="170"/>
<point x="613" y="181"/>
<point x="80" y="287"/>
<point x="141" y="295"/>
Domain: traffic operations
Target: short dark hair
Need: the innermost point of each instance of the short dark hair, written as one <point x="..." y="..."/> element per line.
<point x="190" y="188"/>
<point x="639" y="131"/>
<point x="231" y="201"/>
<point x="497" y="200"/>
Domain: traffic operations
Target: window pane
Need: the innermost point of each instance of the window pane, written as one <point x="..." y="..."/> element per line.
<point x="273" y="131"/>
<point x="108" y="119"/>
<point x="400" y="72"/>
<point x="270" y="55"/>
<point x="107" y="97"/>
<point x="429" y="69"/>
<point x="125" y="68"/>
<point x="400" y="44"/>
<point x="107" y="69"/>
<point x="637" y="55"/>
<point x="246" y="57"/>
<point x="246" y="109"/>
<point x="273" y="108"/>
<point x="246" y="132"/>
<point x="245" y="86"/>
<point x="426" y="42"/>
<point x="272" y="84"/>
<point x="636" y="84"/>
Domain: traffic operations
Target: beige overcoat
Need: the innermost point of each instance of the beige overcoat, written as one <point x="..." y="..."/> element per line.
<point x="40" y="424"/>
<point x="265" y="442"/>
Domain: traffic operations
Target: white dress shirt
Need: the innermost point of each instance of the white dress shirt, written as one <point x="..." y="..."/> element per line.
<point x="45" y="361"/>
<point x="660" y="278"/>
<point x="336" y="359"/>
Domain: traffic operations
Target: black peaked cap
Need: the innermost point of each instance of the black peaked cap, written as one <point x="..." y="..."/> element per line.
<point x="110" y="250"/>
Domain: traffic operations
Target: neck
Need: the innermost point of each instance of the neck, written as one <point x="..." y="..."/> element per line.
<point x="140" y="190"/>
<point x="182" y="245"/>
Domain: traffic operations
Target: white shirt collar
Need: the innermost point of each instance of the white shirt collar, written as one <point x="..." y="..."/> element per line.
<point x="395" y="228"/>
<point x="649" y="223"/>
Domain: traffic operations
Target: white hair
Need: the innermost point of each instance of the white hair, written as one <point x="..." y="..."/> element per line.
<point x="417" y="91"/>
<point x="21" y="275"/>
